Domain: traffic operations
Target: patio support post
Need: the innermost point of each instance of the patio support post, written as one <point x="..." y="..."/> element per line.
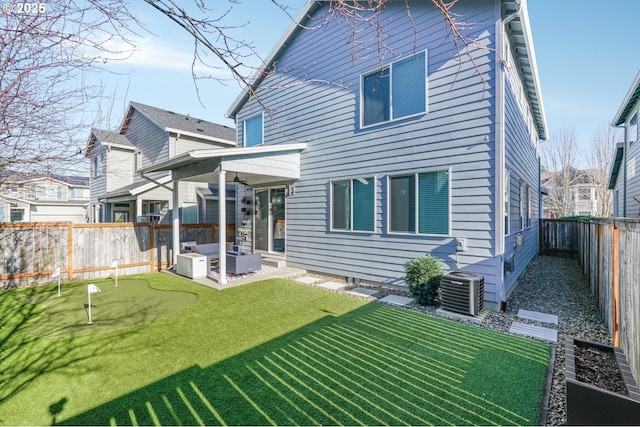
<point x="139" y="209"/>
<point x="222" y="226"/>
<point x="175" y="222"/>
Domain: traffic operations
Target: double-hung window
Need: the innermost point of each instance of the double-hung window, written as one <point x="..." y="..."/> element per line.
<point x="395" y="91"/>
<point x="419" y="203"/>
<point x="353" y="204"/>
<point x="253" y="131"/>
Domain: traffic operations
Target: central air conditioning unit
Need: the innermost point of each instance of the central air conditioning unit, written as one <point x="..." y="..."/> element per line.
<point x="462" y="292"/>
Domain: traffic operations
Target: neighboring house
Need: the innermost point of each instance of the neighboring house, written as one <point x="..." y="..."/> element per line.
<point x="624" y="177"/>
<point x="44" y="198"/>
<point x="150" y="135"/>
<point x="358" y="163"/>
<point x="570" y="192"/>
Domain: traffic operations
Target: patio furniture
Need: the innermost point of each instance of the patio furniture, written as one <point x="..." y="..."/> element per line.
<point x="192" y="265"/>
<point x="241" y="263"/>
<point x="210" y="250"/>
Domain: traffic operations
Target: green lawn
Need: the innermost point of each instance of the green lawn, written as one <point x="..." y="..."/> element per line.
<point x="272" y="352"/>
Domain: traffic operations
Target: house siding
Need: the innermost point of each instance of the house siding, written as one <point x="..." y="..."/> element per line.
<point x="522" y="158"/>
<point x="633" y="180"/>
<point x="456" y="134"/>
<point x="118" y="169"/>
<point x="150" y="139"/>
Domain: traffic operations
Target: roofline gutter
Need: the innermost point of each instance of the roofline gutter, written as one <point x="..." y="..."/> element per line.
<point x="624" y="165"/>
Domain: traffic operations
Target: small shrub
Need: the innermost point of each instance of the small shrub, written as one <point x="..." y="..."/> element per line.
<point x="423" y="276"/>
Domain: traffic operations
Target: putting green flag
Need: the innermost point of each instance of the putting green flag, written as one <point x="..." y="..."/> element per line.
<point x="92" y="289"/>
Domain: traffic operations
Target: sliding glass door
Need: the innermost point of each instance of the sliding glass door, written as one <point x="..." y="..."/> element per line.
<point x="269" y="221"/>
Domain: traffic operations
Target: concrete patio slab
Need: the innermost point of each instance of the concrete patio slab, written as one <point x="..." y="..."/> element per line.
<point x="540" y="317"/>
<point x="463" y="317"/>
<point x="308" y="280"/>
<point x="362" y="292"/>
<point x="539" y="332"/>
<point x="334" y="286"/>
<point x="396" y="300"/>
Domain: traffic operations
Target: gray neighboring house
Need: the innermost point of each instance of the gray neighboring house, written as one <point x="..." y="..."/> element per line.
<point x="147" y="136"/>
<point x="624" y="176"/>
<point x="44" y="198"/>
<point x="354" y="164"/>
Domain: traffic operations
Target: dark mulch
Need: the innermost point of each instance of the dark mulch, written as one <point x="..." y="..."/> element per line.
<point x="598" y="368"/>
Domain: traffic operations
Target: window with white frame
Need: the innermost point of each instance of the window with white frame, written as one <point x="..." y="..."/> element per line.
<point x="97" y="165"/>
<point x="419" y="203"/>
<point x="353" y="204"/>
<point x="522" y="208"/>
<point x="507" y="203"/>
<point x="253" y="129"/>
<point x="189" y="213"/>
<point x="528" y="196"/>
<point x="395" y="91"/>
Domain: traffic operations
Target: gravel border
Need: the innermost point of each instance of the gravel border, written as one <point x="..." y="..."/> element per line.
<point x="549" y="285"/>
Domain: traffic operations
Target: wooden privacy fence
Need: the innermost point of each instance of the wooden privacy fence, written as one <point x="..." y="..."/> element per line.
<point x="559" y="237"/>
<point x="609" y="252"/>
<point x="31" y="252"/>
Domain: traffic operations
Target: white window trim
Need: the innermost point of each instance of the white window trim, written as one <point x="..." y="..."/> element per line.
<point x="417" y="204"/>
<point x="528" y="195"/>
<point x="507" y="202"/>
<point x="375" y="199"/>
<point x="389" y="65"/>
<point x="522" y="207"/>
<point x="244" y="129"/>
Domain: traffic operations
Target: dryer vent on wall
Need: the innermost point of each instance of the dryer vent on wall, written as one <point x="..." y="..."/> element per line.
<point x="462" y="292"/>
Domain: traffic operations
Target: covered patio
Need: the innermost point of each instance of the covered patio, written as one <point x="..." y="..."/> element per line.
<point x="253" y="167"/>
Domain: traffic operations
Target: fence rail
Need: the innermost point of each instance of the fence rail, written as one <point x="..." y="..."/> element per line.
<point x="31" y="252"/>
<point x="608" y="253"/>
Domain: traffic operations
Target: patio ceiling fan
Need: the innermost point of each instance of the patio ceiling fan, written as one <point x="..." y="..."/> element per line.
<point x="237" y="180"/>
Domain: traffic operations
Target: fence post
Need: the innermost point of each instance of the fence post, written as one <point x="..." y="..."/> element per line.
<point x="616" y="289"/>
<point x="69" y="251"/>
<point x="152" y="246"/>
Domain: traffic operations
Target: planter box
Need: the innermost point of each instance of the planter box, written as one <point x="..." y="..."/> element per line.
<point x="590" y="405"/>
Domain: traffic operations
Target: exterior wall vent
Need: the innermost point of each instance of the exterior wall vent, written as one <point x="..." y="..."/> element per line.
<point x="462" y="292"/>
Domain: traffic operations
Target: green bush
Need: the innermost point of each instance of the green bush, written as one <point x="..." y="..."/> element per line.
<point x="423" y="276"/>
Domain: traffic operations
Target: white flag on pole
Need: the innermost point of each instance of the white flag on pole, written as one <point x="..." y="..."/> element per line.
<point x="92" y="289"/>
<point x="56" y="273"/>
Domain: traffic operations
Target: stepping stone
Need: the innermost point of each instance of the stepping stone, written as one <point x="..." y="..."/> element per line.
<point x="332" y="285"/>
<point x="308" y="280"/>
<point x="539" y="332"/>
<point x="362" y="292"/>
<point x="541" y="317"/>
<point x="396" y="300"/>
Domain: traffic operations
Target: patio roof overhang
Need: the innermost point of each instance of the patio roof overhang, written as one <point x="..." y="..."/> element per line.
<point x="254" y="166"/>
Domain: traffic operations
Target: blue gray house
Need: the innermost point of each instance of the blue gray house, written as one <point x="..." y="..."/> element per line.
<point x="624" y="176"/>
<point x="356" y="158"/>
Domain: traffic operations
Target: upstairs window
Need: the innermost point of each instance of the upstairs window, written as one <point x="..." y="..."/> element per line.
<point x="395" y="91"/>
<point x="353" y="204"/>
<point x="253" y="131"/>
